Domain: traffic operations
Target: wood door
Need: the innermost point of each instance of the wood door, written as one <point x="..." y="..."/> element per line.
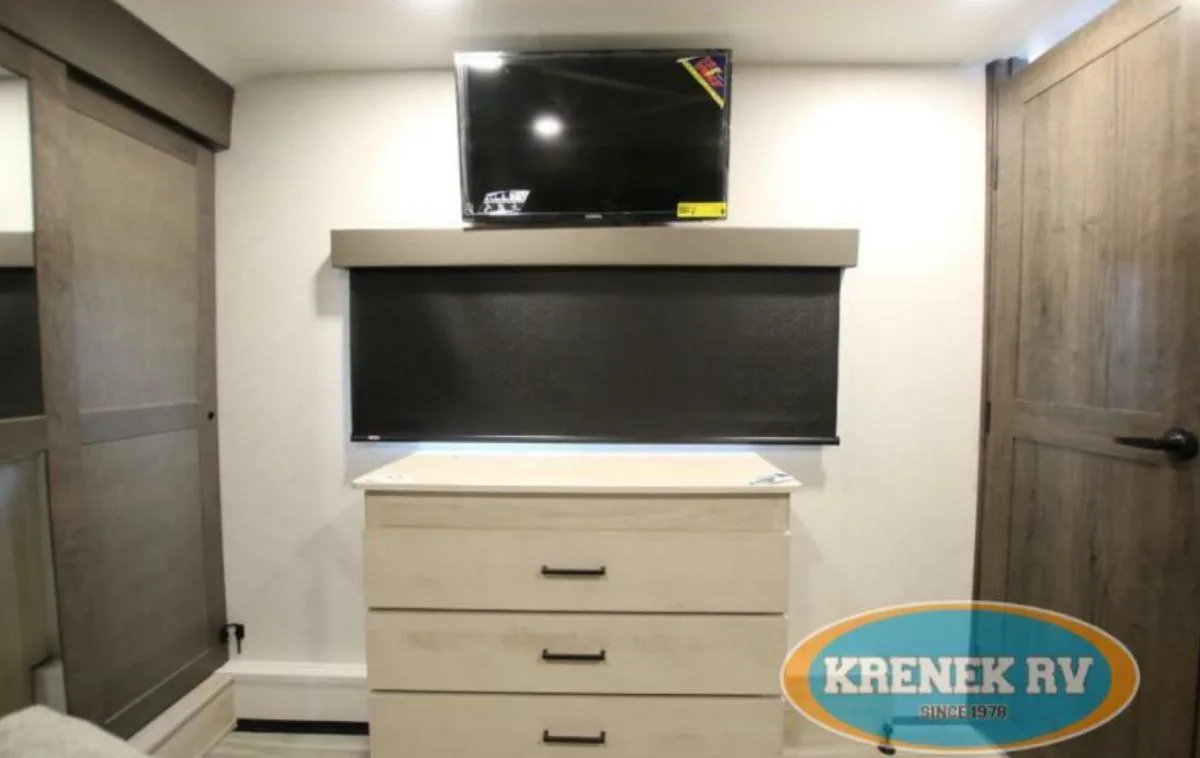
<point x="133" y="466"/>
<point x="1094" y="314"/>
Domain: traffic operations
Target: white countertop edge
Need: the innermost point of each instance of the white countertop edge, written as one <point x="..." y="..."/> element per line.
<point x="368" y="485"/>
<point x="724" y="474"/>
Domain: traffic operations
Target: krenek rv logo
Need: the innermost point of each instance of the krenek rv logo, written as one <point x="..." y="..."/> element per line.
<point x="960" y="677"/>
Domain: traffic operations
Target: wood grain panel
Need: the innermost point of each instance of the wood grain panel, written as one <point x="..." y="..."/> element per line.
<point x="1098" y="246"/>
<point x="693" y="513"/>
<point x="645" y="246"/>
<point x="76" y="560"/>
<point x="144" y="496"/>
<point x="15" y="55"/>
<point x="431" y="726"/>
<point x="94" y="105"/>
<point x="21" y="436"/>
<point x="1090" y="439"/>
<point x="136" y="294"/>
<point x="1068" y="253"/>
<point x="137" y="545"/>
<point x="652" y="655"/>
<point x="643" y="571"/>
<point x="192" y="727"/>
<point x="25" y="596"/>
<point x="106" y="426"/>
<point x="206" y="387"/>
<point x="1099" y="539"/>
<point x="1103" y="420"/>
<point x="1153" y="272"/>
<point x="1003" y="321"/>
<point x="111" y="44"/>
<point x="183" y="680"/>
<point x="1095" y="40"/>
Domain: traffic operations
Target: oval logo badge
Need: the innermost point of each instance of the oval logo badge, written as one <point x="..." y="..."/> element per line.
<point x="960" y="677"/>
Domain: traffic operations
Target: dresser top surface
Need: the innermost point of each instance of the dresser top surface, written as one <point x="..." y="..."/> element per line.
<point x="703" y="473"/>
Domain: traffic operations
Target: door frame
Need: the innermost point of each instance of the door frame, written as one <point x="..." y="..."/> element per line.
<point x="114" y="46"/>
<point x="999" y="75"/>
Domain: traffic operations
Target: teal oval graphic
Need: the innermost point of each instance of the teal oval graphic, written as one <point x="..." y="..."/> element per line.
<point x="961" y="677"/>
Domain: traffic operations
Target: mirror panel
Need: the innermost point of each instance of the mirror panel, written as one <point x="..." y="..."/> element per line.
<point x="16" y="170"/>
<point x="29" y="621"/>
<point x="20" y="354"/>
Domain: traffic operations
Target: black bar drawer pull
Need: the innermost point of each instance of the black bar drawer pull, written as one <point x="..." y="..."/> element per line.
<point x="567" y="739"/>
<point x="600" y="657"/>
<point x="566" y="572"/>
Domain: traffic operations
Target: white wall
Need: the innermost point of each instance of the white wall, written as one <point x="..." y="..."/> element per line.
<point x="1064" y="25"/>
<point x="886" y="518"/>
<point x="16" y="177"/>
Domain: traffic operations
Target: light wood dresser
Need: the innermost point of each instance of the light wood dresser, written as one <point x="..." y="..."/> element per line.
<point x="558" y="605"/>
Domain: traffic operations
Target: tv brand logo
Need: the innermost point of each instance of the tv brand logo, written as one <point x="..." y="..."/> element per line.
<point x="504" y="202"/>
<point x="961" y="677"/>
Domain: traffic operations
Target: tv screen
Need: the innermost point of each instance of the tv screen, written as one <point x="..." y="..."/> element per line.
<point x="641" y="136"/>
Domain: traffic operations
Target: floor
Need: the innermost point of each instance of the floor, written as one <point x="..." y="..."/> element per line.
<point x="247" y="745"/>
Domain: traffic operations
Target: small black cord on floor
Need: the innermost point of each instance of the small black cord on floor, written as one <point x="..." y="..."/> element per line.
<point x="886" y="746"/>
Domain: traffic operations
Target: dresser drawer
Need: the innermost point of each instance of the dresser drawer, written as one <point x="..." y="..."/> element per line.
<point x="529" y="726"/>
<point x="461" y="569"/>
<point x="579" y="653"/>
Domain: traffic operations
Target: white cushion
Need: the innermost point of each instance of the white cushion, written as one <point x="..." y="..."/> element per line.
<point x="42" y="733"/>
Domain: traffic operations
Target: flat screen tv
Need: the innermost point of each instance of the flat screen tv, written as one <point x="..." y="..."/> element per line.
<point x="616" y="137"/>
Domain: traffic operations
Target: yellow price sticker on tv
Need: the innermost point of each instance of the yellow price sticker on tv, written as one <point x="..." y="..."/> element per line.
<point x="702" y="210"/>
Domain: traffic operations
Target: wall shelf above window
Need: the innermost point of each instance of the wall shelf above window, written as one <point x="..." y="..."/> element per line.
<point x="687" y="246"/>
<point x="16" y="249"/>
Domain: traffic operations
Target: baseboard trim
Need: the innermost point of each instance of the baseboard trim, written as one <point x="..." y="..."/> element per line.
<point x="850" y="750"/>
<point x="804" y="740"/>
<point x="299" y="692"/>
<point x="275" y="726"/>
<point x="193" y="726"/>
<point x="310" y="696"/>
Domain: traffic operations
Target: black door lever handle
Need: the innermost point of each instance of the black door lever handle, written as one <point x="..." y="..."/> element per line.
<point x="1178" y="443"/>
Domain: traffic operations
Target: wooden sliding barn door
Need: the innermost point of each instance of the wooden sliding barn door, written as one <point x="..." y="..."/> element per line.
<point x="133" y="479"/>
<point x="1091" y="502"/>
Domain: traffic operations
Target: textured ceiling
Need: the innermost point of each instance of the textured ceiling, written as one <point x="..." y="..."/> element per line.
<point x="240" y="39"/>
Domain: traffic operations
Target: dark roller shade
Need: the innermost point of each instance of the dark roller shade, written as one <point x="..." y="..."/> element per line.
<point x="595" y="354"/>
<point x="20" y="355"/>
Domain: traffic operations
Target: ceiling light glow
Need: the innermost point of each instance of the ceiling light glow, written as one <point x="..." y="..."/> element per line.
<point x="548" y="126"/>
<point x="487" y="62"/>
